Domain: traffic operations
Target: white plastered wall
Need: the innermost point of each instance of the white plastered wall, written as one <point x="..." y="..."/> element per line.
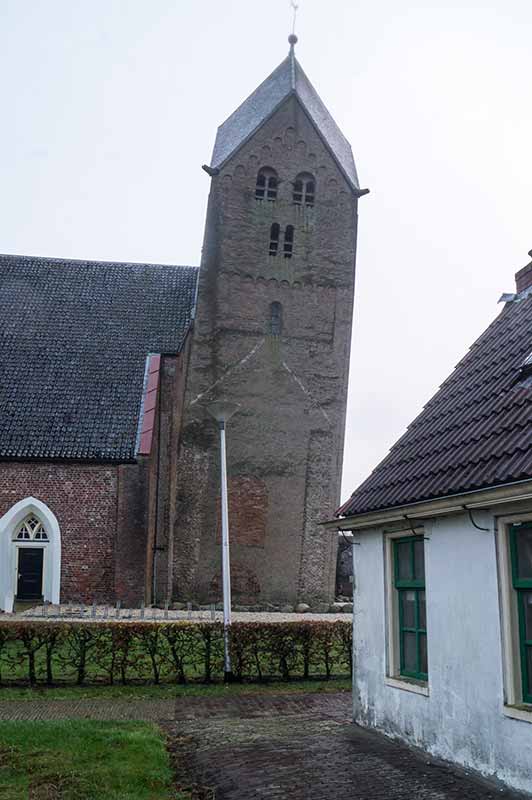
<point x="462" y="717"/>
<point x="9" y="551"/>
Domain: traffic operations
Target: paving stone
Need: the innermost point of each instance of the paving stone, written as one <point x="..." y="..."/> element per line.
<point x="273" y="746"/>
<point x="305" y="748"/>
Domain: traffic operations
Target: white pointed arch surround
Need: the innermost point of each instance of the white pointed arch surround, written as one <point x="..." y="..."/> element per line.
<point x="11" y="520"/>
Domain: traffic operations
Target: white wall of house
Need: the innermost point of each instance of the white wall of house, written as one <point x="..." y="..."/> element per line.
<point x="462" y="715"/>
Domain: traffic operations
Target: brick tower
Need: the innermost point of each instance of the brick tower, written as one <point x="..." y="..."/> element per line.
<point x="272" y="332"/>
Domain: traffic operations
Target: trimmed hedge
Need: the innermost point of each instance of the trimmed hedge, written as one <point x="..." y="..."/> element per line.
<point x="131" y="652"/>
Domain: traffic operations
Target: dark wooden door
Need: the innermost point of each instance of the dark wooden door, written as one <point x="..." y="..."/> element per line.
<point x="30" y="563"/>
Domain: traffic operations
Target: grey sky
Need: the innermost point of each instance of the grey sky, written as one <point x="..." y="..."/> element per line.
<point x="111" y="107"/>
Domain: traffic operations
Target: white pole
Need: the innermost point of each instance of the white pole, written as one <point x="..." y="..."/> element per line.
<point x="226" y="570"/>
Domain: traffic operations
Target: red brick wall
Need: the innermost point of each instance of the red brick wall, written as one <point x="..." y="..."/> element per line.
<point x="101" y="510"/>
<point x="248" y="509"/>
<point x="83" y="498"/>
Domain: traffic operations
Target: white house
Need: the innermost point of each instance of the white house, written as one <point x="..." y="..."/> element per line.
<point x="443" y="564"/>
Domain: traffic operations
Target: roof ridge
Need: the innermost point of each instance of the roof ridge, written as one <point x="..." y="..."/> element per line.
<point x="59" y="260"/>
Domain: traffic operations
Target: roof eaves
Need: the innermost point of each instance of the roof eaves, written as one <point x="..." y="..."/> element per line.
<point x="497" y="493"/>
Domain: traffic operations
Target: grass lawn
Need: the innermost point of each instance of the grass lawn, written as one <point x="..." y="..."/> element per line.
<point x="84" y="761"/>
<point x="170" y="691"/>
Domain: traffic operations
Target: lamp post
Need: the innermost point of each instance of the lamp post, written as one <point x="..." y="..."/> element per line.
<point x="222" y="411"/>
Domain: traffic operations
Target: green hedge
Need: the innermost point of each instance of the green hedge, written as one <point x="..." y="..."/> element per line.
<point x="129" y="652"/>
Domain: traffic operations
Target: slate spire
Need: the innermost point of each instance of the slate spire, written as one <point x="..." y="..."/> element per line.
<point x="288" y="79"/>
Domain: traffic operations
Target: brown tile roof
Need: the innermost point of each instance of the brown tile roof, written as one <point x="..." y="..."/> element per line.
<point x="475" y="432"/>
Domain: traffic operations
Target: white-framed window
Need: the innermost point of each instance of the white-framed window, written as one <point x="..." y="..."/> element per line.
<point x="32" y="529"/>
<point x="514" y="557"/>
<point x="406" y="611"/>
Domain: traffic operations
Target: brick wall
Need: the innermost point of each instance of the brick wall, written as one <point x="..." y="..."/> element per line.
<point x="101" y="511"/>
<point x="131" y="532"/>
<point x="83" y="498"/>
<point x="292" y="388"/>
<point x="248" y="510"/>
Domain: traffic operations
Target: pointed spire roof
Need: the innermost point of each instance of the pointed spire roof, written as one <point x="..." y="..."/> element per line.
<point x="288" y="79"/>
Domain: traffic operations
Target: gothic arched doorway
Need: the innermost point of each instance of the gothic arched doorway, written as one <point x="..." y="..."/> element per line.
<point x="30" y="554"/>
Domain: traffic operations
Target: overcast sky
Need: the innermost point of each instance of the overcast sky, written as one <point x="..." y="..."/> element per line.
<point x="110" y="108"/>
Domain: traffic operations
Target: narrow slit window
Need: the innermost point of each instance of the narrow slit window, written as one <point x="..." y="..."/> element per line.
<point x="289" y="241"/>
<point x="276" y="319"/>
<point x="304" y="192"/>
<point x="274" y="239"/>
<point x="266" y="186"/>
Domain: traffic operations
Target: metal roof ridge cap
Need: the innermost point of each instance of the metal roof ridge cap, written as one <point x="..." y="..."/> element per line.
<point x="142" y="401"/>
<point x="292" y="57"/>
<point x="95" y="262"/>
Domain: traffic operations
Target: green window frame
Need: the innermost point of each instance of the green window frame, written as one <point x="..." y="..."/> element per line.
<point x="409" y="582"/>
<point x="522" y="584"/>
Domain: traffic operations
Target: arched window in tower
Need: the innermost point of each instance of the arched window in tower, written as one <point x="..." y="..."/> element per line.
<point x="274" y="238"/>
<point x="304" y="189"/>
<point x="276" y="319"/>
<point x="266" y="188"/>
<point x="288" y="241"/>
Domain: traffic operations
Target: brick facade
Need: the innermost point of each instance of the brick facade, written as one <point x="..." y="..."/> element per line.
<point x="115" y="520"/>
<point x="292" y="388"/>
<point x="84" y="500"/>
<point x="271" y="333"/>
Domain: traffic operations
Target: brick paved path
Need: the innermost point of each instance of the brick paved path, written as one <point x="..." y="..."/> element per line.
<point x="272" y="747"/>
<point x="150" y="710"/>
<point x="303" y="748"/>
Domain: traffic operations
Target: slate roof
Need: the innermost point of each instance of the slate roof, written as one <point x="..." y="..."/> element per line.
<point x="74" y="338"/>
<point x="286" y="80"/>
<point x="476" y="432"/>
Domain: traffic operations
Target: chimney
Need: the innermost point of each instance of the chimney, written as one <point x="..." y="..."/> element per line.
<point x="523" y="278"/>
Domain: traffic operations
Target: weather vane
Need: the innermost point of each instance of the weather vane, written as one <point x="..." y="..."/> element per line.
<point x="294" y="7"/>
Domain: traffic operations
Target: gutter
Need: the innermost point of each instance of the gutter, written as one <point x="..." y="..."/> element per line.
<point x="508" y="493"/>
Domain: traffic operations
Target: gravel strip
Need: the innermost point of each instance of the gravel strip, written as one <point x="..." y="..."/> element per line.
<point x="103" y="613"/>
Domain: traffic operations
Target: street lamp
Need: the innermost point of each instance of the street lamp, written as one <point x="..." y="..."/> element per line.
<point x="222" y="411"/>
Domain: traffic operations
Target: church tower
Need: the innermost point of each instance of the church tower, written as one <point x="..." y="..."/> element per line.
<point x="272" y="332"/>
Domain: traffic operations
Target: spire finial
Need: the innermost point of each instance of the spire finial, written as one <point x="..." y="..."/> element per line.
<point x="293" y="38"/>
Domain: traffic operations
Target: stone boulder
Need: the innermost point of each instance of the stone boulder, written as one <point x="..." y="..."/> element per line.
<point x="302" y="608"/>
